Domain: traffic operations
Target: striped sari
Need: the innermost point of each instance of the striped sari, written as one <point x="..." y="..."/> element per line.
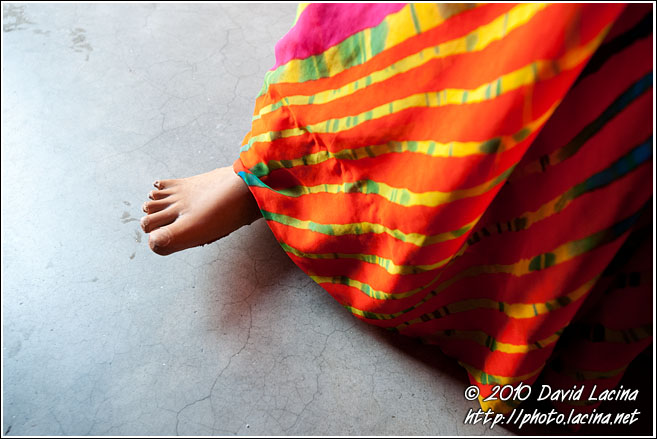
<point x="478" y="176"/>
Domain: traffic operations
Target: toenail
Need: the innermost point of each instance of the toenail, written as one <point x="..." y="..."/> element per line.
<point x="150" y="195"/>
<point x="160" y="239"/>
<point x="145" y="207"/>
<point x="157" y="184"/>
<point x="144" y="222"/>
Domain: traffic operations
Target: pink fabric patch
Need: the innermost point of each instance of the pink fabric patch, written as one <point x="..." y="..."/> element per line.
<point x="323" y="25"/>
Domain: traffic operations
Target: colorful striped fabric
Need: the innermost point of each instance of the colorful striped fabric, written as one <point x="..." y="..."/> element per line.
<point x="466" y="174"/>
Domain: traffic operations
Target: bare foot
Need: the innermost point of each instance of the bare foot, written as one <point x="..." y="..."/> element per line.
<point x="197" y="210"/>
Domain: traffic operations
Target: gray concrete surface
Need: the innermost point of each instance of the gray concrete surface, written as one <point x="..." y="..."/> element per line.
<point x="101" y="336"/>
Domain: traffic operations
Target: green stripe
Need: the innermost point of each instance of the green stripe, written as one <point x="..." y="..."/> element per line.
<point x="578" y="247"/>
<point x="626" y="98"/>
<point x="364" y="228"/>
<point x="347" y="51"/>
<point x="416" y="23"/>
<point x="401" y="196"/>
<point x="632" y="160"/>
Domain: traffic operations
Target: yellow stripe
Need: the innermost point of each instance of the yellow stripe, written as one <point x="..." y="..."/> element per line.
<point x="485" y="378"/>
<point x="398" y="31"/>
<point x="521" y="267"/>
<point x="516" y="310"/>
<point x="401" y="196"/>
<point x="387" y="264"/>
<point x="365" y="227"/>
<point x="291" y="71"/>
<point x="513" y="310"/>
<point x="483" y="339"/>
<point x="555" y="205"/>
<point x="300" y="8"/>
<point x="559" y="255"/>
<point x="522" y="310"/>
<point x="366" y="289"/>
<point x="496" y="405"/>
<point x="427" y="147"/>
<point x="545" y="210"/>
<point x="538" y="70"/>
<point x="630" y="335"/>
<point x="485" y="35"/>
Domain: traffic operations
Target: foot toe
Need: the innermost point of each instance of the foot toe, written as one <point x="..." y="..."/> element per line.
<point x="155" y="206"/>
<point x="159" y="194"/>
<point x="159" y="241"/>
<point x="163" y="184"/>
<point x="156" y="220"/>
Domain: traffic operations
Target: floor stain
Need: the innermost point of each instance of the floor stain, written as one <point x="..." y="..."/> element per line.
<point x="137" y="236"/>
<point x="132" y="256"/>
<point x="13" y="349"/>
<point x="126" y="218"/>
<point x="127" y="203"/>
<point x="13" y="17"/>
<point x="80" y="43"/>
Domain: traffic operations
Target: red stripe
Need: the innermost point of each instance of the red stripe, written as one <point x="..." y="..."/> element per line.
<point x="587" y="214"/>
<point x="381" y="244"/>
<point x="540" y="286"/>
<point x="591" y="97"/>
<point x="443" y="174"/>
<point x="489" y="118"/>
<point x="633" y="125"/>
<point x="630" y="17"/>
<point x="596" y="17"/>
<point x="408" y="219"/>
<point x="534" y="287"/>
<point x="500" y="326"/>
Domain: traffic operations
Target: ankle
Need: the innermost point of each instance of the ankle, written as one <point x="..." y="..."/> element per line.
<point x="249" y="207"/>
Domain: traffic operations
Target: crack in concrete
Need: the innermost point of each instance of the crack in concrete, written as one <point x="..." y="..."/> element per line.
<point x="209" y="395"/>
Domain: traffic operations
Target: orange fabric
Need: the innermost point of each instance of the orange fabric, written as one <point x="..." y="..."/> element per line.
<point x="466" y="175"/>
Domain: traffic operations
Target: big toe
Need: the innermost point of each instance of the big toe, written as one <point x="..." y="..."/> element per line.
<point x="160" y="241"/>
